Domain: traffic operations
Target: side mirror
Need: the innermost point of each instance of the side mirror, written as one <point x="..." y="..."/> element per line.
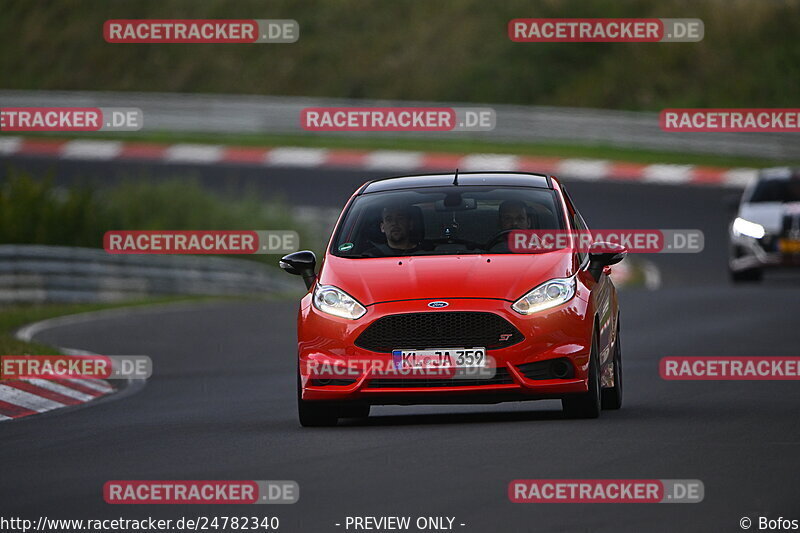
<point x="603" y="254"/>
<point x="301" y="264"/>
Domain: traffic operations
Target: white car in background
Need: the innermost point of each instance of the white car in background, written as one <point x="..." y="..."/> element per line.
<point x="766" y="230"/>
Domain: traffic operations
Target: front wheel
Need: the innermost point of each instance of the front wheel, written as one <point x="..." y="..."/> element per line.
<point x="752" y="275"/>
<point x="611" y="398"/>
<point x="586" y="405"/>
<point x="314" y="414"/>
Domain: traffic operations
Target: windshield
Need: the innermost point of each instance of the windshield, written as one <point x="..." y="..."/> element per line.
<point x="777" y="190"/>
<point x="443" y="220"/>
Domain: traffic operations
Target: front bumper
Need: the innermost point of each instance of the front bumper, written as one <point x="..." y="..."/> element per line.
<point x="749" y="253"/>
<point x="564" y="332"/>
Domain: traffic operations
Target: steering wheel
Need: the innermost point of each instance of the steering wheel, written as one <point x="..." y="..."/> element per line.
<point x="497" y="238"/>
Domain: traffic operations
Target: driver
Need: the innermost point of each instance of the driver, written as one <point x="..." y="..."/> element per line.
<point x="397" y="224"/>
<point x="514" y="215"/>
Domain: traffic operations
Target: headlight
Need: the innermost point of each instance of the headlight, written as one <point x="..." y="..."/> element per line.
<point x="548" y="294"/>
<point x="750" y="229"/>
<point x="336" y="302"/>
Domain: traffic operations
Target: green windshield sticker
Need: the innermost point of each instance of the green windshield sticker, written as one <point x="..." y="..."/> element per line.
<point x="346" y="246"/>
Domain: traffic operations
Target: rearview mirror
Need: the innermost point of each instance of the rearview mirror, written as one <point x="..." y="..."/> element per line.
<point x="455" y="203"/>
<point x="301" y="264"/>
<point x="603" y="254"/>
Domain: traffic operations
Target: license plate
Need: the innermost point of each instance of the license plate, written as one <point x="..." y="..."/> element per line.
<point x="441" y="358"/>
<point x="789" y="246"/>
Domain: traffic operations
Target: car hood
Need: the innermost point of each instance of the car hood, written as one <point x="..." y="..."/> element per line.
<point x="506" y="276"/>
<point x="769" y="214"/>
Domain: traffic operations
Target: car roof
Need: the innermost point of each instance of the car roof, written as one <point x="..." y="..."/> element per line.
<point x="779" y="173"/>
<point x="512" y="179"/>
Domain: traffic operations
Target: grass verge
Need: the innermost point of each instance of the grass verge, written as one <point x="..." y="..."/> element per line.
<point x="37" y="211"/>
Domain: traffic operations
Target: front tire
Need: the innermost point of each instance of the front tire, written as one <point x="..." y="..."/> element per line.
<point x="611" y="398"/>
<point x="354" y="411"/>
<point x="586" y="405"/>
<point x="752" y="275"/>
<point x="314" y="414"/>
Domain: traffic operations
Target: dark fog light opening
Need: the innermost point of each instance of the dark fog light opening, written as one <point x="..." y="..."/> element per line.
<point x="561" y="369"/>
<point x="325" y="382"/>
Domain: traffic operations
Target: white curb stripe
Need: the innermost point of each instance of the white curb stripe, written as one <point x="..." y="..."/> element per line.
<point x="392" y="159"/>
<point x="10" y="145"/>
<point x="739" y="177"/>
<point x="573" y="168"/>
<point x="91" y="149"/>
<point x="584" y="169"/>
<point x="94" y="384"/>
<point x="489" y="162"/>
<point x="668" y="173"/>
<point x="194" y="153"/>
<point x="61" y="389"/>
<point x="27" y="400"/>
<point x="297" y="157"/>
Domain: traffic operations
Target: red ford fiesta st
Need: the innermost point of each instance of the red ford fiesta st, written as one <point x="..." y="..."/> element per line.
<point x="420" y="299"/>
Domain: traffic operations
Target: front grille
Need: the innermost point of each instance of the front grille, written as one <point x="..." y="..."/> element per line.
<point x="452" y="329"/>
<point x="501" y="377"/>
<point x="791" y="225"/>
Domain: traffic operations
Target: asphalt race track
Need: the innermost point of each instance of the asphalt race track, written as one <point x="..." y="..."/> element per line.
<point x="221" y="405"/>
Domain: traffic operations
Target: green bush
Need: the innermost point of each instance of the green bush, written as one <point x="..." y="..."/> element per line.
<point x="444" y="50"/>
<point x="34" y="211"/>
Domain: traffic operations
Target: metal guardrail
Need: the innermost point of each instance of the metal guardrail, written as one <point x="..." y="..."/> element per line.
<point x="36" y="273"/>
<point x="281" y="115"/>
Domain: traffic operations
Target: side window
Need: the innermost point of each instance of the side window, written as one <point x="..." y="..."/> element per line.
<point x="580" y="225"/>
<point x="577" y="222"/>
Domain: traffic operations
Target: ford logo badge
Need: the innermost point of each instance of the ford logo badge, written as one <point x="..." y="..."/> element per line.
<point x="438" y="304"/>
